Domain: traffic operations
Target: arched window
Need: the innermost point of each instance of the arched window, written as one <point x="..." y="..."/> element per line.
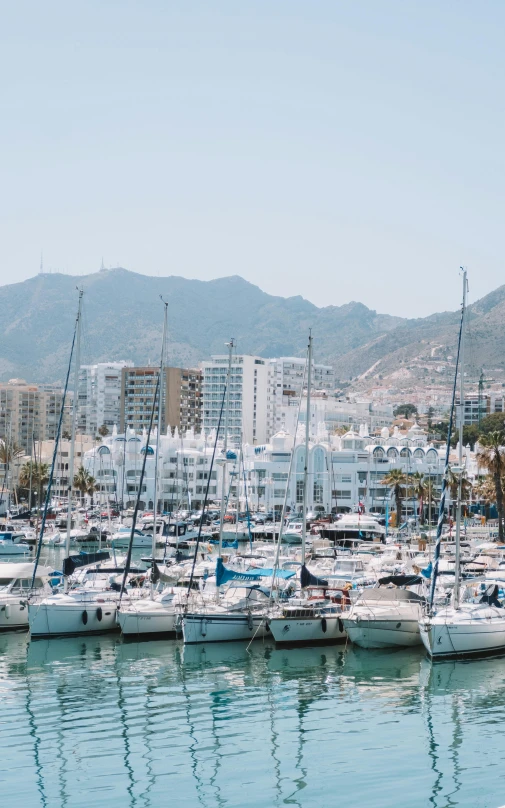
<point x="392" y="452"/>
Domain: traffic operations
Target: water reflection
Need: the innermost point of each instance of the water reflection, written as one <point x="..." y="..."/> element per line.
<point x="129" y="723"/>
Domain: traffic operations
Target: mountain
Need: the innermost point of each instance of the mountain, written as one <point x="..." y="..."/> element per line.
<point x="122" y="319"/>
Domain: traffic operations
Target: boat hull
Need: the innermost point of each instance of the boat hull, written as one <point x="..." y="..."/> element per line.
<point x="13" y="614"/>
<point x="72" y="619"/>
<point x="383" y="633"/>
<point x="135" y="621"/>
<point x="309" y="631"/>
<point x="207" y="627"/>
<point x="452" y="640"/>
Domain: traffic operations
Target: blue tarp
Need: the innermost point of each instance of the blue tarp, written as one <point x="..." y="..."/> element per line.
<point x="223" y="575"/>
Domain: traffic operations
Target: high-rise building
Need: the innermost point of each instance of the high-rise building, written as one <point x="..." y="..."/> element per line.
<point x="247" y="416"/>
<point x="31" y="411"/>
<point x="181" y="403"/>
<point x="286" y="381"/>
<point x="99" y="400"/>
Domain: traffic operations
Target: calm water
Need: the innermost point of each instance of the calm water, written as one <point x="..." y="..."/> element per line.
<point x="99" y="722"/>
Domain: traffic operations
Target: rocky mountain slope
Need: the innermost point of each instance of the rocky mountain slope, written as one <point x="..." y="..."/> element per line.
<point x="123" y="319"/>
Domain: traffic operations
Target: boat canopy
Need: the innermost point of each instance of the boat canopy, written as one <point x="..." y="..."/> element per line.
<point x="72" y="563"/>
<point x="223" y="574"/>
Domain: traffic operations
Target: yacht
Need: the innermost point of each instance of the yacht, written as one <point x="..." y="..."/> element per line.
<point x="386" y="616"/>
<point x="353" y="526"/>
<point x="309" y="620"/>
<point x="11" y="545"/>
<point x="121" y="539"/>
<point x="15" y="586"/>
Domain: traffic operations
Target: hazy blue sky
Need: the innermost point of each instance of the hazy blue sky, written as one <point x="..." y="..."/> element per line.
<point x="337" y="150"/>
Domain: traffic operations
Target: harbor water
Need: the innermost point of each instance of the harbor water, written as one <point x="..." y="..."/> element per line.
<point x="96" y="721"/>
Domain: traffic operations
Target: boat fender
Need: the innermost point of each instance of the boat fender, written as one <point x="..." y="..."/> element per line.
<point x="99" y="614"/>
<point x="398" y="625"/>
<point x="267" y="627"/>
<point x="250" y="624"/>
<point x="203" y="628"/>
<point x="85" y="617"/>
<point x="340" y="626"/>
<point x="7" y="611"/>
<point x="323" y="625"/>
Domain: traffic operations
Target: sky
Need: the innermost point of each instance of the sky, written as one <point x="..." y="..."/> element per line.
<point x="336" y="150"/>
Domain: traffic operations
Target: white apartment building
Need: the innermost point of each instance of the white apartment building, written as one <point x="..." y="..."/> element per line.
<point x="342" y="471"/>
<point x="100" y="395"/>
<point x="247" y="416"/>
<point x="286" y="379"/>
<point x="334" y="413"/>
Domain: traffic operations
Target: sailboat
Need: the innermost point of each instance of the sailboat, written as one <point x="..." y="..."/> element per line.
<point x="156" y="614"/>
<point x="468" y="627"/>
<point x="312" y="617"/>
<point x="92" y="607"/>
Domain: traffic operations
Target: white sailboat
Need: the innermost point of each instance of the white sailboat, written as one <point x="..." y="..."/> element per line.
<point x="467" y="627"/>
<point x="309" y="619"/>
<point x="157" y="613"/>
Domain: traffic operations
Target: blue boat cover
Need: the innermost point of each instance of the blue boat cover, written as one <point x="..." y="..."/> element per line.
<point x="223" y="574"/>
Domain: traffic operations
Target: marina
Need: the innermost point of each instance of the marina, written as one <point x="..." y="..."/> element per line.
<point x="97" y="720"/>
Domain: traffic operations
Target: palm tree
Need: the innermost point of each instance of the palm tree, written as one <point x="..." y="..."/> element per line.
<point x="395" y="479"/>
<point x="82" y="481"/>
<point x="92" y="487"/>
<point x="9" y="450"/>
<point x="486" y="492"/>
<point x="491" y="456"/>
<point x="103" y="431"/>
<point x="419" y="488"/>
<point x="37" y="474"/>
<point x="453" y="486"/>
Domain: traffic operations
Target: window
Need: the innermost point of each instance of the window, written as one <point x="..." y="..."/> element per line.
<point x="299" y="491"/>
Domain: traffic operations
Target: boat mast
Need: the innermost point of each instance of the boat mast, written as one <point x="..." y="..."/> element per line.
<point x="225" y="448"/>
<point x="306" y="465"/>
<point x="157" y="452"/>
<point x="460" y="451"/>
<point x="74" y="421"/>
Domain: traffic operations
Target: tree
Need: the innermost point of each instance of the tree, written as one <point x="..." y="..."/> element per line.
<point x="66" y="435"/>
<point x="406" y="410"/>
<point x="9" y="451"/>
<point x="103" y="431"/>
<point x="419" y="487"/>
<point x="395" y="479"/>
<point x="491" y="456"/>
<point x="485" y="491"/>
<point x="492" y="423"/>
<point x="92" y="487"/>
<point x="453" y="486"/>
<point x="431" y="413"/>
<point x="83" y="482"/>
<point x="38" y="473"/>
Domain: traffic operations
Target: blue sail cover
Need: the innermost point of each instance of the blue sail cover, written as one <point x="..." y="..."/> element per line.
<point x="223" y="574"/>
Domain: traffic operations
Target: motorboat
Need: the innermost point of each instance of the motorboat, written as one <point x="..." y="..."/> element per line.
<point x="121" y="539"/>
<point x="15" y="587"/>
<point x="353" y="526"/>
<point x="11" y="545"/>
<point x="386" y="616"/>
<point x="310" y="620"/>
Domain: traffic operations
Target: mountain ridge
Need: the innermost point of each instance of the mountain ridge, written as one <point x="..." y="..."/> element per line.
<point x="122" y="319"/>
